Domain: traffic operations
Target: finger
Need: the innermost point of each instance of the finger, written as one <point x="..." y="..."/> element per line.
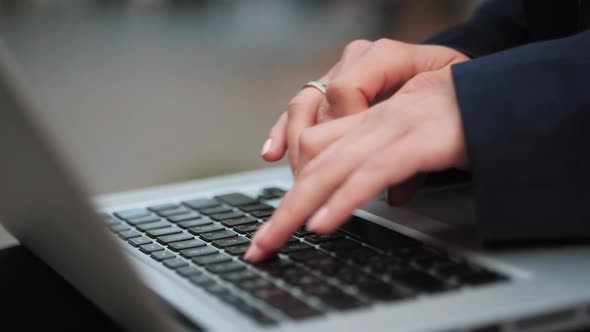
<point x="402" y="193"/>
<point x="393" y="166"/>
<point x="386" y="65"/>
<point x="276" y="143"/>
<point x="315" y="184"/>
<point x="301" y="114"/>
<point x="314" y="140"/>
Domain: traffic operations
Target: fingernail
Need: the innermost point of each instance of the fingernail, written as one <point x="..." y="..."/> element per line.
<point x="317" y="219"/>
<point x="266" y="147"/>
<point x="254" y="253"/>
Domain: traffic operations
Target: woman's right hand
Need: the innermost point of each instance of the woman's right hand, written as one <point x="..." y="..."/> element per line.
<point x="366" y="71"/>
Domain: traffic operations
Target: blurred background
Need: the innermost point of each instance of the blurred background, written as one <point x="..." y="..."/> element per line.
<point x="147" y="92"/>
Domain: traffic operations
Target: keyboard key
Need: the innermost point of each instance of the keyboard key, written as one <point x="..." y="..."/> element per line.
<point x="317" y="238"/>
<point x="339" y="245"/>
<point x="201" y="203"/>
<point x="295" y="246"/>
<point x="274" y="191"/>
<point x="262" y="214"/>
<point x="239" y="276"/>
<point x="216" y="210"/>
<point x="163" y="207"/>
<point x="337" y="299"/>
<point x="199" y="251"/>
<point x="232" y="241"/>
<point x="217" y="235"/>
<point x="201" y="280"/>
<point x="162" y="255"/>
<point x="163" y="231"/>
<point x="227" y="215"/>
<point x="120" y="228"/>
<point x="177" y="246"/>
<point x="216" y="289"/>
<point x="379" y="290"/>
<point x="193" y="223"/>
<point x="267" y="292"/>
<point x="188" y="271"/>
<point x="138" y="241"/>
<point x="238" y="221"/>
<point x="206" y="228"/>
<point x="248" y="228"/>
<point x="166" y="239"/>
<point x="143" y="220"/>
<point x="175" y="263"/>
<point x="256" y="207"/>
<point x="174" y="212"/>
<point x="420" y="281"/>
<point x="211" y="259"/>
<point x="307" y="255"/>
<point x="150" y="248"/>
<point x="301" y="232"/>
<point x="192" y="215"/>
<point x="252" y="283"/>
<point x="132" y="213"/>
<point x="292" y="306"/>
<point x="237" y="250"/>
<point x="153" y="225"/>
<point x="236" y="199"/>
<point x="126" y="235"/>
<point x="230" y="266"/>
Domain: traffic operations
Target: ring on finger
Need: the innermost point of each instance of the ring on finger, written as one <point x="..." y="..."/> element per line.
<point x="320" y="86"/>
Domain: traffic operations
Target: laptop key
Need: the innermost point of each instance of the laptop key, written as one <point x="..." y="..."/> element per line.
<point x="201" y="203"/>
<point x="153" y="225"/>
<point x="143" y="220"/>
<point x="163" y="231"/>
<point x="211" y="259"/>
<point x="216" y="289"/>
<point x="236" y="199"/>
<point x="217" y="235"/>
<point x="132" y="213"/>
<point x="420" y="281"/>
<point x="201" y="280"/>
<point x="138" y="241"/>
<point x="252" y="283"/>
<point x="227" y="215"/>
<point x="216" y="210"/>
<point x="339" y="245"/>
<point x="166" y="239"/>
<point x="295" y="246"/>
<point x="262" y="213"/>
<point x="188" y="271"/>
<point x="307" y="255"/>
<point x="229" y="266"/>
<point x="193" y="223"/>
<point x="237" y="250"/>
<point x="126" y="235"/>
<point x="192" y="215"/>
<point x="232" y="241"/>
<point x="119" y="228"/>
<point x="317" y="238"/>
<point x="174" y="212"/>
<point x="175" y="263"/>
<point x="239" y="276"/>
<point x="379" y="290"/>
<point x="238" y="221"/>
<point x="255" y="207"/>
<point x="162" y="255"/>
<point x="163" y="207"/>
<point x="150" y="248"/>
<point x="247" y="228"/>
<point x="177" y="246"/>
<point x="206" y="228"/>
<point x="200" y="251"/>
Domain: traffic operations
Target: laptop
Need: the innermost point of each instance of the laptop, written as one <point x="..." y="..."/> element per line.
<point x="170" y="257"/>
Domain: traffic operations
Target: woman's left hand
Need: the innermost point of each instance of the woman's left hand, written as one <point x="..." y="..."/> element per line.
<point x="417" y="130"/>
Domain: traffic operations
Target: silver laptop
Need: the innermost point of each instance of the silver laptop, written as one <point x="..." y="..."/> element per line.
<point x="169" y="257"/>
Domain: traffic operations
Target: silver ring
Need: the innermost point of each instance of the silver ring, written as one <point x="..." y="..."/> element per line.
<point x="322" y="87"/>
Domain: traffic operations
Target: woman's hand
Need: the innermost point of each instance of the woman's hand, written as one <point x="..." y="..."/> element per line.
<point x="366" y="71"/>
<point x="417" y="130"/>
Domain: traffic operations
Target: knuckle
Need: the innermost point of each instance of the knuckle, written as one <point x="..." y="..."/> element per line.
<point x="356" y="46"/>
<point x="294" y="106"/>
<point x="337" y="90"/>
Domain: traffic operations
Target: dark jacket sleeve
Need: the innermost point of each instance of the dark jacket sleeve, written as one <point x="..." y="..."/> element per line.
<point x="526" y="118"/>
<point x="495" y="26"/>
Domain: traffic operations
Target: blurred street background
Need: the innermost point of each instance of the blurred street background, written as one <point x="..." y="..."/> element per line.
<point x="147" y="92"/>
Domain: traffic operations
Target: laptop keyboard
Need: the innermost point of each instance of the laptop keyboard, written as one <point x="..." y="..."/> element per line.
<point x="360" y="265"/>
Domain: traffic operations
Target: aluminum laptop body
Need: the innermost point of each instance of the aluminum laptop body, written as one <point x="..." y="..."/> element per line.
<point x="42" y="204"/>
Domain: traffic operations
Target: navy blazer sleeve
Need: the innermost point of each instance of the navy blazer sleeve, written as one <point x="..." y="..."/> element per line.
<point x="526" y="118"/>
<point x="495" y="26"/>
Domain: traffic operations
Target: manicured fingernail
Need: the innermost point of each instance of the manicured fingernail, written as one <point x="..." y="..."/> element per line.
<point x="254" y="253"/>
<point x="317" y="219"/>
<point x="266" y="147"/>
